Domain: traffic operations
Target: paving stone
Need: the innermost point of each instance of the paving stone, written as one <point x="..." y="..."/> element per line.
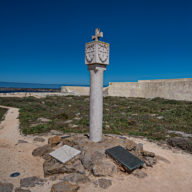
<point x="64" y="187"/>
<point x="31" y="182"/>
<point x="39" y="139"/>
<point x="103" y="183"/>
<point x="21" y="190"/>
<point x="6" y="187"/>
<point x="76" y="178"/>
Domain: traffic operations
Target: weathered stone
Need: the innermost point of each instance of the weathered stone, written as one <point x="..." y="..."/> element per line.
<point x="103" y="183"/>
<point x="89" y="158"/>
<point x="6" y="187"/>
<point x="43" y="120"/>
<point x="149" y="161"/>
<point x="54" y="140"/>
<point x="39" y="139"/>
<point x="131" y="145"/>
<point x="103" y="168"/>
<point x="140" y="174"/>
<point x="147" y="154"/>
<point x="181" y="142"/>
<point x="52" y="166"/>
<point x="31" y="182"/>
<point x="76" y="178"/>
<point x="42" y="151"/>
<point x="56" y="132"/>
<point x="68" y="121"/>
<point x="64" y="187"/>
<point x="21" y="190"/>
<point x="21" y="141"/>
<point x="160" y="117"/>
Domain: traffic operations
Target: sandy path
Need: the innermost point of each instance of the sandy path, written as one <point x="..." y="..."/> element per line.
<point x="172" y="176"/>
<point x="16" y="157"/>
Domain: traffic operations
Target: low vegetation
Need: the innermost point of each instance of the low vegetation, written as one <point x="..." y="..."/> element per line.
<point x="2" y="113"/>
<point x="151" y="118"/>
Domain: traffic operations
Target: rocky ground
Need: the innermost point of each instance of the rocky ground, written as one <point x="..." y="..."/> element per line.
<point x="165" y="168"/>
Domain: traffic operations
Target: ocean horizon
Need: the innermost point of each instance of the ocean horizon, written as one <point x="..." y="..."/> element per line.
<point x="35" y="86"/>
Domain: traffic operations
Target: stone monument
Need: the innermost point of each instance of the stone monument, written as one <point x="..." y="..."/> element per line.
<point x="96" y="58"/>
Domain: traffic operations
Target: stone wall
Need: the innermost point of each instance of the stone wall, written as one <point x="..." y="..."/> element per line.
<point x="178" y="89"/>
<point x="75" y="90"/>
<point x="80" y="90"/>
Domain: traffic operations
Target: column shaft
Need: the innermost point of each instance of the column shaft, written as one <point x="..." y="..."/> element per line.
<point x="96" y="102"/>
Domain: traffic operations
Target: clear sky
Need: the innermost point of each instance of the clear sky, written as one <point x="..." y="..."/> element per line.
<point x="42" y="41"/>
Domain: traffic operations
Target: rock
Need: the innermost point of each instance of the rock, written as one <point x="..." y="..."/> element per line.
<point x="56" y="132"/>
<point x="6" y="187"/>
<point x="160" y="117"/>
<point x="140" y="174"/>
<point x="31" y="182"/>
<point x="52" y="166"/>
<point x="64" y="187"/>
<point x="76" y="178"/>
<point x="149" y="161"/>
<point x="103" y="168"/>
<point x="21" y="190"/>
<point x="68" y="121"/>
<point x="39" y="139"/>
<point x="76" y="166"/>
<point x="53" y="141"/>
<point x="88" y="158"/>
<point x="131" y="145"/>
<point x="147" y="154"/>
<point x="180" y="142"/>
<point x="103" y="183"/>
<point x="42" y="151"/>
<point x="21" y="141"/>
<point x="43" y="120"/>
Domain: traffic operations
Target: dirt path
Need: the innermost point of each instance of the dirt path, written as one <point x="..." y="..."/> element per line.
<point x="16" y="157"/>
<point x="174" y="174"/>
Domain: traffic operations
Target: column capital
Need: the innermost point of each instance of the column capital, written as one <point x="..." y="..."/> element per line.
<point x="97" y="67"/>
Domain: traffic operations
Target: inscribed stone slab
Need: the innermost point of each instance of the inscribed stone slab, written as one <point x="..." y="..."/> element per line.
<point x="126" y="159"/>
<point x="65" y="153"/>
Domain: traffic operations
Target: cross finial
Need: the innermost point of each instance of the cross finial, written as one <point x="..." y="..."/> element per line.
<point x="97" y="35"/>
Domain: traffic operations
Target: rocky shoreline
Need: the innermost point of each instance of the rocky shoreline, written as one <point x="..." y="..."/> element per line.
<point x="11" y="90"/>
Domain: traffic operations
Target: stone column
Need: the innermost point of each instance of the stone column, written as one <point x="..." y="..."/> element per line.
<point x="97" y="58"/>
<point x="96" y="101"/>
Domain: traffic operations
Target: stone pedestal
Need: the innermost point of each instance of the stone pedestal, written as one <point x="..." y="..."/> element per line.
<point x="97" y="58"/>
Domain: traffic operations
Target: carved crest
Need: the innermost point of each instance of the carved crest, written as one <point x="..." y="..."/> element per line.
<point x="90" y="52"/>
<point x="103" y="52"/>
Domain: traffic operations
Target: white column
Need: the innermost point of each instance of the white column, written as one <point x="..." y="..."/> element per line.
<point x="96" y="101"/>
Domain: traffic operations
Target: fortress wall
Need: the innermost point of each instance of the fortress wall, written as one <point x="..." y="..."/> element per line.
<point x="75" y="90"/>
<point x="178" y="89"/>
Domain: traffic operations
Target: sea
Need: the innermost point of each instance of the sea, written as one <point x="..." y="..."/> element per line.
<point x="32" y="86"/>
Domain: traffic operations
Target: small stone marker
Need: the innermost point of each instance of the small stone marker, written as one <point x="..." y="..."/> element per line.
<point x="65" y="153"/>
<point x="124" y="158"/>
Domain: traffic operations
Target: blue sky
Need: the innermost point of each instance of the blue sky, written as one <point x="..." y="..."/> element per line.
<point x="42" y="41"/>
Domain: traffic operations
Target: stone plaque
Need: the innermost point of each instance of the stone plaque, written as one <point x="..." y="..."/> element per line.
<point x="65" y="153"/>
